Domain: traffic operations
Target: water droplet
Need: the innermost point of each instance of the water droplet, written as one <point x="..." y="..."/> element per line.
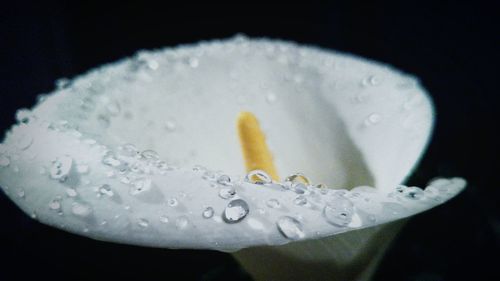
<point x="338" y="211"/>
<point x="4" y="161"/>
<point x="24" y="141"/>
<point x="373" y="119"/>
<point x="199" y="168"/>
<point x="209" y="175"/>
<point x="298" y="178"/>
<point x="208" y="212"/>
<point x="413" y="193"/>
<point x="170" y="125"/>
<point x="143" y="223"/>
<point x="55" y="204"/>
<point x="300" y="200"/>
<point x="150" y="155"/>
<point x="273" y="203"/>
<point x="164" y="219"/>
<point x="21" y="193"/>
<point x="227" y="193"/>
<point x="81" y="210"/>
<point x="140" y="185"/>
<point x="434" y="193"/>
<point x="71" y="192"/>
<point x="128" y="150"/>
<point x="193" y="62"/>
<point x="110" y="159"/>
<point x="181" y="223"/>
<point x="413" y="102"/>
<point x="290" y="228"/>
<point x="62" y="83"/>
<point x="163" y="167"/>
<point x="374" y="80"/>
<point x="172" y="202"/>
<point x="258" y="177"/>
<point x="271" y="98"/>
<point x="61" y="167"/>
<point x="235" y="211"/>
<point x="299" y="188"/>
<point x="152" y="64"/>
<point x="224" y="180"/>
<point x="82" y="169"/>
<point x="105" y="189"/>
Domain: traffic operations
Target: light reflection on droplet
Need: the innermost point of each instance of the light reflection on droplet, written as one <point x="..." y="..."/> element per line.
<point x="290" y="228"/>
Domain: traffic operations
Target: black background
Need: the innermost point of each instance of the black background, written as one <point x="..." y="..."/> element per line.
<point x="451" y="46"/>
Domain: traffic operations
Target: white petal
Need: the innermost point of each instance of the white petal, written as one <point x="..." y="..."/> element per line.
<point x="340" y="120"/>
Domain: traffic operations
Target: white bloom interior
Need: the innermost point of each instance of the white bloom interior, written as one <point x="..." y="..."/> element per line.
<point x="114" y="154"/>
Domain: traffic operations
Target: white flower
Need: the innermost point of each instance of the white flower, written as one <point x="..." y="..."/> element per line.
<point x="115" y="155"/>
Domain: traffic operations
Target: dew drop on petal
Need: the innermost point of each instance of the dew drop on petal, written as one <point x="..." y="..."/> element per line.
<point x="299" y="188"/>
<point x="21" y="193"/>
<point x="55" y="204"/>
<point x="143" y="223"/>
<point x="170" y="126"/>
<point x="140" y="186"/>
<point x="224" y="180"/>
<point x="297" y="178"/>
<point x="227" y="193"/>
<point x="373" y="119"/>
<point x="258" y="177"/>
<point x="290" y="228"/>
<point x="81" y="210"/>
<point x="71" y="192"/>
<point x="271" y="98"/>
<point x="164" y="219"/>
<point x="209" y="175"/>
<point x="300" y="200"/>
<point x="61" y="167"/>
<point x="208" y="212"/>
<point x="24" y="142"/>
<point x="105" y="189"/>
<point x="150" y="155"/>
<point x="172" y="202"/>
<point x="193" y="62"/>
<point x="24" y="116"/>
<point x="163" y="166"/>
<point x="413" y="193"/>
<point x="374" y="80"/>
<point x="110" y="159"/>
<point x="235" y="211"/>
<point x="273" y="203"/>
<point x="181" y="223"/>
<point x="338" y="211"/>
<point x="4" y="161"/>
<point x="128" y="150"/>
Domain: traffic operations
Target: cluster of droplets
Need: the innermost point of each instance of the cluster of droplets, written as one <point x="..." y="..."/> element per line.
<point x="135" y="167"/>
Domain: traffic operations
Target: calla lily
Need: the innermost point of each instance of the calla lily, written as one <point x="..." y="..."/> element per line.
<point x="145" y="151"/>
